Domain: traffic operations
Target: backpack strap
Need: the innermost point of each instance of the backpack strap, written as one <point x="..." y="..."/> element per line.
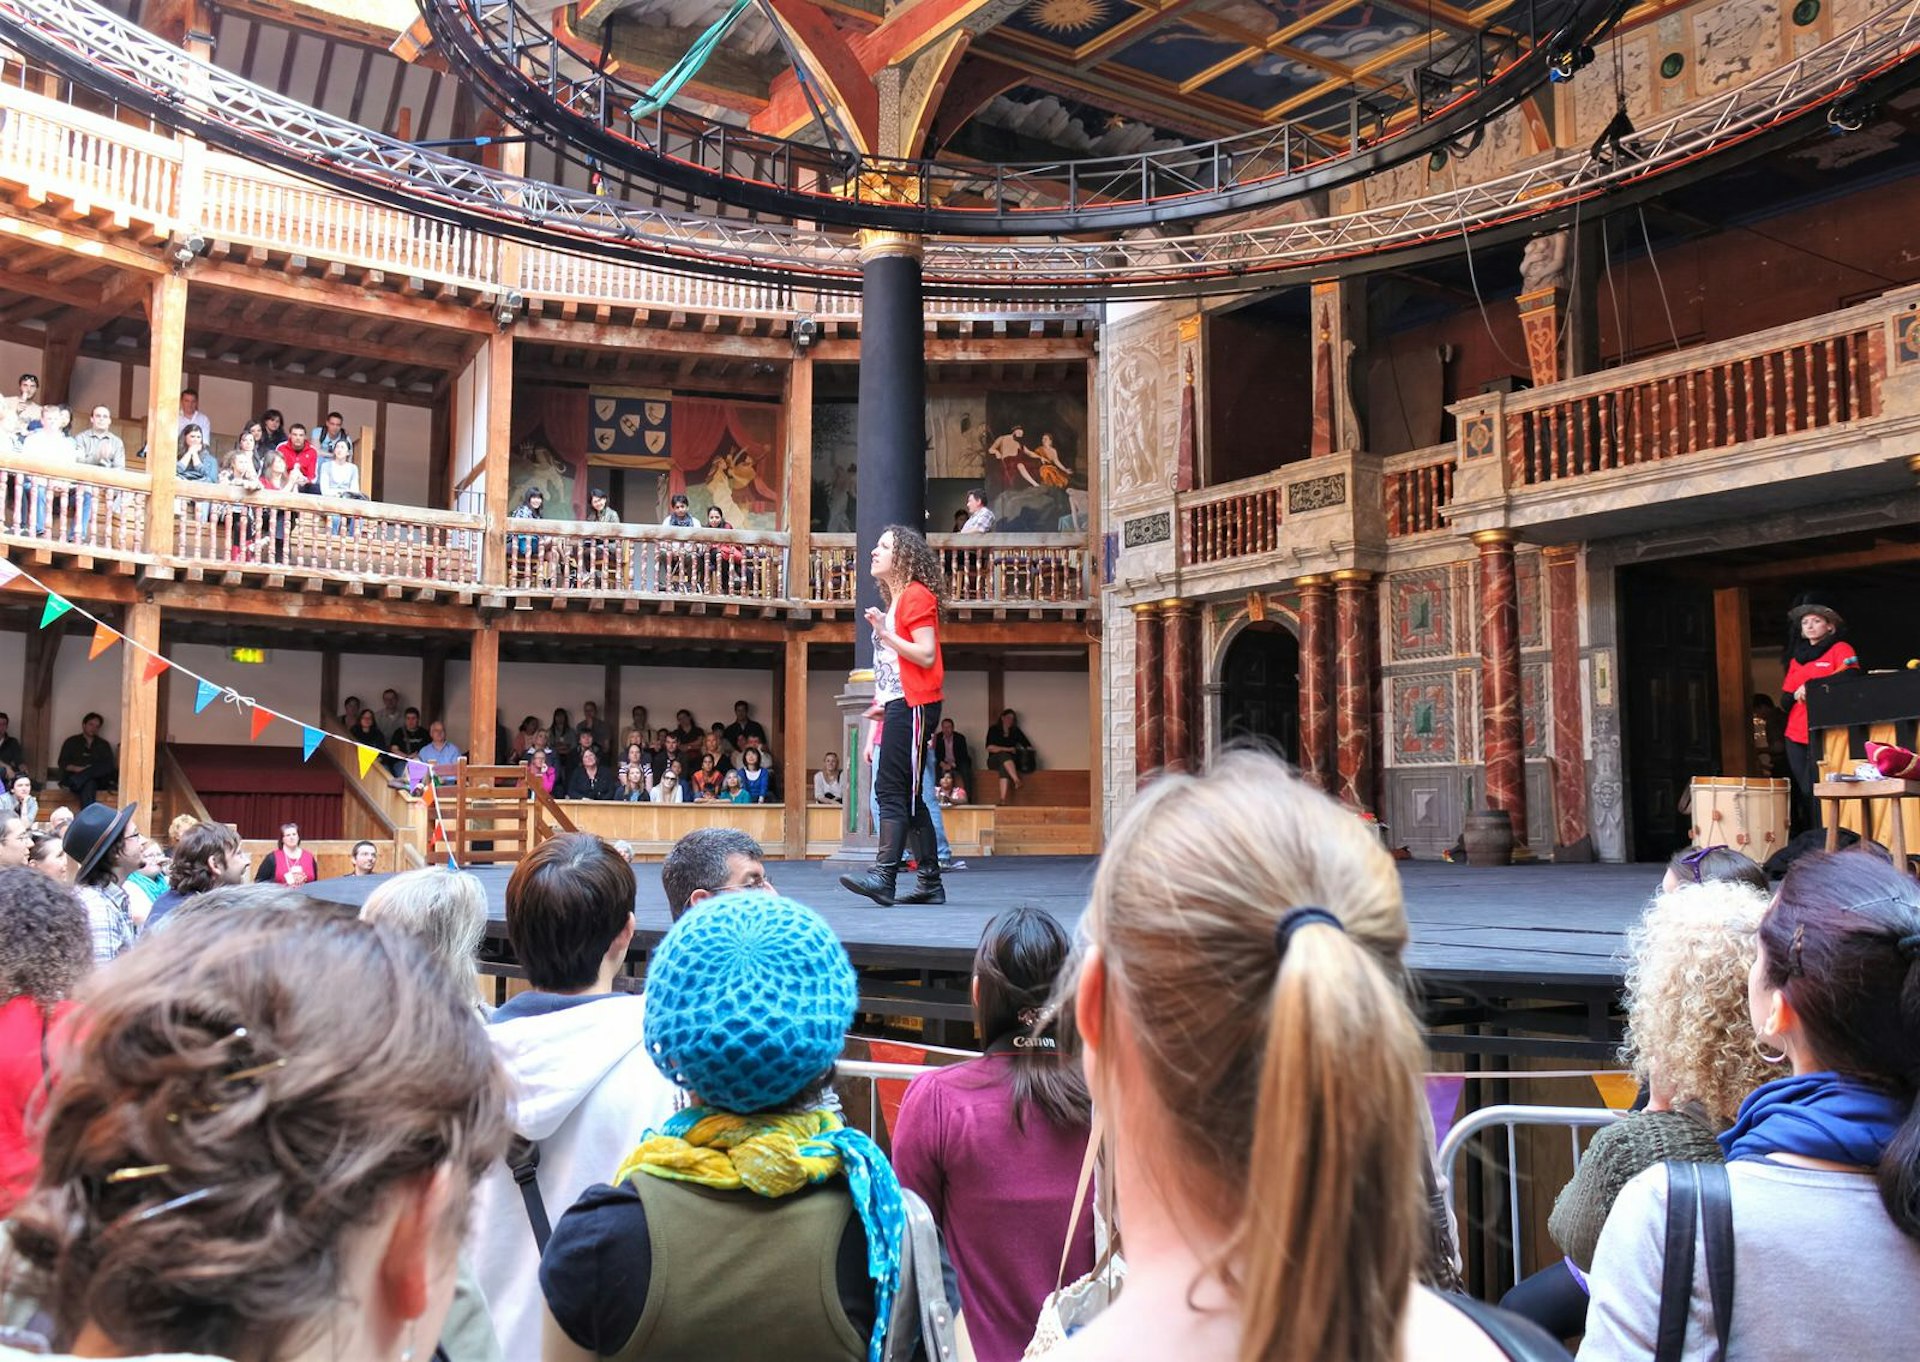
<point x="1518" y="1338"/>
<point x="1716" y="1208"/>
<point x="523" y="1161"/>
<point x="1676" y="1282"/>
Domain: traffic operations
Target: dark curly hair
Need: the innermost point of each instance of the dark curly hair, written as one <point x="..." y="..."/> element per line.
<point x="917" y="558"/>
<point x="45" y="945"/>
<point x="268" y="1079"/>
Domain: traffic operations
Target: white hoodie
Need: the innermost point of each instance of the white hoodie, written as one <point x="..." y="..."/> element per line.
<point x="585" y="1091"/>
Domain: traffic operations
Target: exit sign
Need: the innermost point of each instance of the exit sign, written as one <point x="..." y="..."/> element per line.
<point x="252" y="656"/>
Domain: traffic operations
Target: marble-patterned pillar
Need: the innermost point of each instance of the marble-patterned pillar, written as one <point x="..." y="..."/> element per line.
<point x="1149" y="692"/>
<point x="1316" y="681"/>
<point x="1353" y="682"/>
<point x="1562" y="568"/>
<point x="1179" y="729"/>
<point x="1501" y="741"/>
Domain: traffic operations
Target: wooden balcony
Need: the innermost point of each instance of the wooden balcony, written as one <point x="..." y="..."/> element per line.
<point x="994" y="574"/>
<point x="569" y="561"/>
<point x="71" y="514"/>
<point x="1233" y="521"/>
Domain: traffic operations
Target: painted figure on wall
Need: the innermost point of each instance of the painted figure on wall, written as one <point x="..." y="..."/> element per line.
<point x="1035" y="474"/>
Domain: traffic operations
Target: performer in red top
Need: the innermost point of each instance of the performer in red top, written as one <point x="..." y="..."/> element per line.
<point x="907" y="689"/>
<point x="1819" y="650"/>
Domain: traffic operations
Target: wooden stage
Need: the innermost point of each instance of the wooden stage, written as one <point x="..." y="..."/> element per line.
<point x="1524" y="960"/>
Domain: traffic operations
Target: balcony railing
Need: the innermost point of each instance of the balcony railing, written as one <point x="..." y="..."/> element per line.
<point x="831" y="576"/>
<point x="362" y="541"/>
<point x="1419" y="487"/>
<point x="984" y="571"/>
<point x="1239" y="520"/>
<point x="574" y="557"/>
<point x="90" y="512"/>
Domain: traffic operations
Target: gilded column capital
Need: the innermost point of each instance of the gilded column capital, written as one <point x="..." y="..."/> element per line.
<point x="875" y="244"/>
<point x="1353" y="575"/>
<point x="1311" y="581"/>
<point x="1488" y="538"/>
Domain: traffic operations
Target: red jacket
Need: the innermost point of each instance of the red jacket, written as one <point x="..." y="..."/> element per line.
<point x="916" y="609"/>
<point x="1840" y="657"/>
<point x="23" y="1045"/>
<point x="303" y="464"/>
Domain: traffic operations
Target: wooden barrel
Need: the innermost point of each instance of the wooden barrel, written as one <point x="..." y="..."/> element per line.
<point x="1489" y="837"/>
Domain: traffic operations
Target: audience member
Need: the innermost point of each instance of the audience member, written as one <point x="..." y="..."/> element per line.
<point x="829" y="787"/>
<point x="104" y="848"/>
<point x="208" y="856"/>
<point x="191" y="415"/>
<point x="13" y="758"/>
<point x="179" y="828"/>
<point x="445" y="911"/>
<point x="289" y="863"/>
<point x="748" y="1005"/>
<point x="333" y="432"/>
<point x="363" y="858"/>
<point x="50" y="440"/>
<point x="273" y="428"/>
<point x="339" y="475"/>
<point x="710" y="861"/>
<point x="349" y="712"/>
<point x="391" y="716"/>
<point x="754" y="777"/>
<point x="590" y="780"/>
<point x="686" y="730"/>
<point x="332" y="1102"/>
<point x="44" y="950"/>
<point x="576" y="1054"/>
<point x="59" y="821"/>
<point x="950" y="753"/>
<point x="632" y="787"/>
<point x="24" y="408"/>
<point x="410" y="736"/>
<point x="560" y="738"/>
<point x="950" y="792"/>
<point x="302" y="457"/>
<point x="637" y="730"/>
<point x="147" y="882"/>
<point x="998" y="1141"/>
<point x="539" y="773"/>
<point x="680" y="513"/>
<point x="1247" y="1031"/>
<point x="49" y="857"/>
<point x="980" y="517"/>
<point x="97" y="446"/>
<point x="744" y="726"/>
<point x="194" y="459"/>
<point x="16" y="841"/>
<point x="21" y="792"/>
<point x="714" y="745"/>
<point x="591" y="724"/>
<point x="672" y="788"/>
<point x="1009" y="754"/>
<point x="1714" y="865"/>
<point x="365" y="730"/>
<point x="1823" y="1166"/>
<point x="440" y="754"/>
<point x="1691" y="1044"/>
<point x="706" y="780"/>
<point x="87" y="763"/>
<point x="732" y="791"/>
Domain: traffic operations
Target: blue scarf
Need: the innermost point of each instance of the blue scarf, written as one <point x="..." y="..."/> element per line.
<point x="1817" y="1116"/>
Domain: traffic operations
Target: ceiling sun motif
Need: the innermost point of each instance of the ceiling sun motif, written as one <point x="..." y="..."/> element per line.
<point x="1066" y="16"/>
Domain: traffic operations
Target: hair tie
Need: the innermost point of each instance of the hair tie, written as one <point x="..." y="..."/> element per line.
<point x="1294" y="919"/>
<point x="1910" y="945"/>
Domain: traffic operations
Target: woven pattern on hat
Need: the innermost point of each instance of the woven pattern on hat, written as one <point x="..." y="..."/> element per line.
<point x="749" y="999"/>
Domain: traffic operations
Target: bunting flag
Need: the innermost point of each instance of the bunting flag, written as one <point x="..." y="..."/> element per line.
<point x="155" y="665"/>
<point x="56" y="606"/>
<point x="261" y="718"/>
<point x="7" y="571"/>
<point x="103" y="639"/>
<point x="310" y="740"/>
<point x="205" y="695"/>
<point x="1617" y="1090"/>
<point x="368" y="756"/>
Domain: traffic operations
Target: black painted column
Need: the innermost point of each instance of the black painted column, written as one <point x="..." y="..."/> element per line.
<point x="891" y="481"/>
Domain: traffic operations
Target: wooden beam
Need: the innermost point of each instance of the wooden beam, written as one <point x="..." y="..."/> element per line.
<point x="972" y="350"/>
<point x="597" y="337"/>
<point x="793" y="748"/>
<point x="483" y="695"/>
<point x="1733" y="660"/>
<point x="348" y="300"/>
<point x="142" y="725"/>
<point x="838" y="72"/>
<point x="166" y="344"/>
<point x="303" y="338"/>
<point x="36" y="229"/>
<point x="497" y="364"/>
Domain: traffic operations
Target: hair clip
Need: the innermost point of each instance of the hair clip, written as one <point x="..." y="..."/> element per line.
<point x="150" y="1170"/>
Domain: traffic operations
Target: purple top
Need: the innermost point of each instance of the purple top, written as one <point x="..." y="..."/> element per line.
<point x="1000" y="1195"/>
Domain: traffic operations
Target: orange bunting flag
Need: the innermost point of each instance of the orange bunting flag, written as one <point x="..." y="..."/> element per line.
<point x="103" y="639"/>
<point x="155" y="665"/>
<point x="368" y="756"/>
<point x="261" y="718"/>
<point x="1617" y="1090"/>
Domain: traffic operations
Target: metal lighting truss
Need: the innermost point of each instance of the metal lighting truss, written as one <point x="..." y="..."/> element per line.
<point x="103" y="52"/>
<point x="511" y="58"/>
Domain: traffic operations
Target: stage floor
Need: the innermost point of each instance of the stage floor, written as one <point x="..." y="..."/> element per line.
<point x="1515" y="930"/>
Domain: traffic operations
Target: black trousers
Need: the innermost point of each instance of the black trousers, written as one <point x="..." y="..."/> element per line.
<point x="904" y="731"/>
<point x="1803" y="766"/>
<point x="1552" y="1299"/>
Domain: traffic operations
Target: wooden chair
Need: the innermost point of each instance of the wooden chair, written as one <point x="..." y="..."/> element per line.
<point x="1867" y="791"/>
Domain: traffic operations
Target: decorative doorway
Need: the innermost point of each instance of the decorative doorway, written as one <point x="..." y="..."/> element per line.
<point x="1260" y="688"/>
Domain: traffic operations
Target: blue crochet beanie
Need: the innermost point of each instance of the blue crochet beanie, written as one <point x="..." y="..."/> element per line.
<point x="749" y="999"/>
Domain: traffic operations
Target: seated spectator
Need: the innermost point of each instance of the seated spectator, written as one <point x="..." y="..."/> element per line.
<point x="715" y="742"/>
<point x="590" y="780"/>
<point x="829" y="785"/>
<point x="289" y="863"/>
<point x="332" y="1103"/>
<point x="207" y="856"/>
<point x="1714" y="865"/>
<point x="363" y="859"/>
<point x="13" y="758"/>
<point x="637" y="759"/>
<point x="16" y="841"/>
<point x="591" y="724"/>
<point x="45" y="949"/>
<point x="686" y="730"/>
<point x="339" y="475"/>
<point x="1691" y="1045"/>
<point x="666" y="748"/>
<point x="732" y="791"/>
<point x="273" y="428"/>
<point x="744" y="726"/>
<point x="87" y="764"/>
<point x="748" y="1004"/>
<point x="706" y="780"/>
<point x="445" y="912"/>
<point x="51" y="440"/>
<point x="754" y="777"/>
<point x="1009" y="754"/>
<point x="333" y="432"/>
<point x="1822" y="1164"/>
<point x="191" y="415"/>
<point x="410" y="737"/>
<point x="538" y="772"/>
<point x="632" y="787"/>
<point x="672" y="788"/>
<point x="21" y="792"/>
<point x="637" y="729"/>
<point x="979" y="516"/>
<point x="349" y="712"/>
<point x="1247" y="1031"/>
<point x="522" y="740"/>
<point x="104" y="847"/>
<point x="576" y="1054"/>
<point x="194" y="460"/>
<point x="302" y="458"/>
<point x="439" y="754"/>
<point x="49" y="857"/>
<point x="365" y="730"/>
<point x="950" y="791"/>
<point x="97" y="446"/>
<point x="998" y="1141"/>
<point x="147" y="883"/>
<point x="277" y="476"/>
<point x="710" y="861"/>
<point x="950" y="752"/>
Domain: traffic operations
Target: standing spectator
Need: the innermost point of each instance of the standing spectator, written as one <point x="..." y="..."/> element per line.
<point x="364" y="857"/>
<point x="207" y="856"/>
<point x="979" y="516"/>
<point x="44" y="951"/>
<point x="191" y="415"/>
<point x="87" y="763"/>
<point x="680" y="515"/>
<point x="391" y="716"/>
<point x="333" y="432"/>
<point x="715" y="746"/>
<point x="998" y="1141"/>
<point x="13" y="759"/>
<point x="600" y="567"/>
<point x="709" y="861"/>
<point x="528" y="550"/>
<point x="97" y="446"/>
<point x="590" y="779"/>
<point x="560" y="734"/>
<point x="303" y="458"/>
<point x="105" y="847"/>
<point x="744" y="726"/>
<point x="51" y="443"/>
<point x="674" y="572"/>
<point x="576" y="1053"/>
<point x="273" y="428"/>
<point x="591" y="722"/>
<point x="1008" y="753"/>
<point x="195" y="461"/>
<point x="16" y="841"/>
<point x="828" y="785"/>
<point x="445" y="911"/>
<point x="289" y="863"/>
<point x="754" y="776"/>
<point x="637" y="730"/>
<point x="686" y="730"/>
<point x="24" y="408"/>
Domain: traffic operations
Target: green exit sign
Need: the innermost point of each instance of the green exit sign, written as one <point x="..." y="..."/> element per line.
<point x="252" y="656"/>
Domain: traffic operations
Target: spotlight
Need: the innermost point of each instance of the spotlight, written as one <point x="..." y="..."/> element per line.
<point x="1848" y="114"/>
<point x="189" y="250"/>
<point x="1562" y="64"/>
<point x="507" y="309"/>
<point x="805" y="332"/>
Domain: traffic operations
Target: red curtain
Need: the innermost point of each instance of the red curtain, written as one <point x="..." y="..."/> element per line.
<point x="561" y="415"/>
<point x="703" y="429"/>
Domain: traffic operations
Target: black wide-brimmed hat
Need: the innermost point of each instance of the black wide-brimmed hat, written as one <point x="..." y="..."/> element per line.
<point x="1820" y="608"/>
<point x="95" y="831"/>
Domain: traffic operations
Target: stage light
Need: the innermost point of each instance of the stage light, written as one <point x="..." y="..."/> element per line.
<point x="189" y="250"/>
<point x="507" y="309"/>
<point x="1567" y="60"/>
<point x="805" y="332"/>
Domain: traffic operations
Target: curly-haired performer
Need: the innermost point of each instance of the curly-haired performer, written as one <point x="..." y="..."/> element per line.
<point x="907" y="678"/>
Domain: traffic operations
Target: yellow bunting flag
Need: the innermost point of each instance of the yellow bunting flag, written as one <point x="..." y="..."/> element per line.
<point x="368" y="756"/>
<point x="103" y="639"/>
<point x="1617" y="1090"/>
<point x="155" y="665"/>
<point x="261" y="718"/>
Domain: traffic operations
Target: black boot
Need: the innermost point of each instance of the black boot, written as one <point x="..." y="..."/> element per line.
<point x="877" y="881"/>
<point x="927" y="861"/>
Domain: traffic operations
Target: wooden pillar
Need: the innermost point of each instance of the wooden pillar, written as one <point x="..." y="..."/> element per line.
<point x="57" y="356"/>
<point x="1733" y="652"/>
<point x="329" y="688"/>
<point x="483" y="694"/>
<point x="433" y="684"/>
<point x="797" y="414"/>
<point x="1337" y="338"/>
<point x="1354" y="687"/>
<point x="1149" y="692"/>
<point x="166" y="350"/>
<point x="142" y="726"/>
<point x="996" y="694"/>
<point x="1501" y="741"/>
<point x="36" y="718"/>
<point x="795" y="786"/>
<point x="498" y="361"/>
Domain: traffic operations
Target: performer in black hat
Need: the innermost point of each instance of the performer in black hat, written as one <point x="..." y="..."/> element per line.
<point x="1817" y="649"/>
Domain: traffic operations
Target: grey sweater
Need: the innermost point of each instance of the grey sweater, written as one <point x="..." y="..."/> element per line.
<point x="1820" y="1272"/>
<point x="1619" y="1154"/>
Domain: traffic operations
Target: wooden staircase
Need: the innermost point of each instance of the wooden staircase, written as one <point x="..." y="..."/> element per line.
<point x="1042" y="830"/>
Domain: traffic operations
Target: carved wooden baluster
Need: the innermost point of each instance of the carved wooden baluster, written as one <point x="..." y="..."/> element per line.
<point x="1831" y="347"/>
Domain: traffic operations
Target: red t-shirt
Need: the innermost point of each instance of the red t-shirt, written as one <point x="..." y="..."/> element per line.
<point x="916" y="610"/>
<point x="1832" y="662"/>
<point x="21" y="1046"/>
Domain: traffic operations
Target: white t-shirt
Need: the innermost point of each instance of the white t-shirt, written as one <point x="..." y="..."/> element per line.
<point x="886" y="667"/>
